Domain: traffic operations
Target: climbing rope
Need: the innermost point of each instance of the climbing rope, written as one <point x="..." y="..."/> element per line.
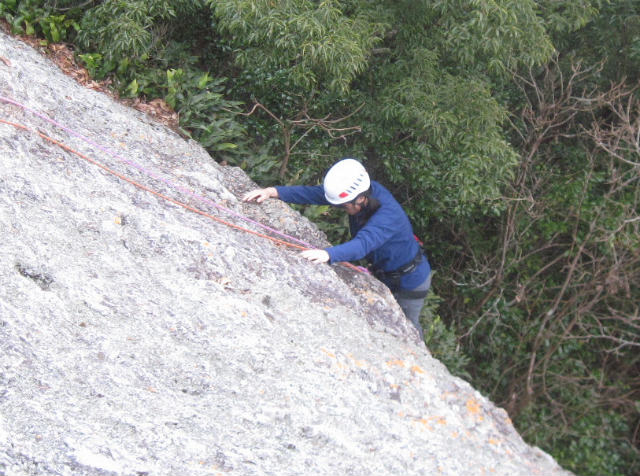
<point x="161" y="195"/>
<point x="148" y="172"/>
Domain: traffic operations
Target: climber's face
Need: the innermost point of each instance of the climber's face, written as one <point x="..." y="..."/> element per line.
<point x="353" y="208"/>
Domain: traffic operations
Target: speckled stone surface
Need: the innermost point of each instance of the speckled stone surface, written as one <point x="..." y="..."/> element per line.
<point x="139" y="338"/>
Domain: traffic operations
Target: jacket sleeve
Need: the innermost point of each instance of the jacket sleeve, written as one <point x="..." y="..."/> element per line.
<point x="370" y="237"/>
<point x="302" y="194"/>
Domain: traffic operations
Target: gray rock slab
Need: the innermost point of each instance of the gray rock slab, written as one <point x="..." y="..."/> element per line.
<point x="140" y="338"/>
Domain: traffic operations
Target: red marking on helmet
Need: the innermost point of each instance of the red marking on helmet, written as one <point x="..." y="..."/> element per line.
<point x="343" y="195"/>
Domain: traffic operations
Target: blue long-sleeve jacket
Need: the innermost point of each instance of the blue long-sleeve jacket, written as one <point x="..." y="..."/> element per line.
<point x="386" y="239"/>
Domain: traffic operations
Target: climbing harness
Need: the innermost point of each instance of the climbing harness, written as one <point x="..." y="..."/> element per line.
<point x="301" y="246"/>
<point x="395" y="275"/>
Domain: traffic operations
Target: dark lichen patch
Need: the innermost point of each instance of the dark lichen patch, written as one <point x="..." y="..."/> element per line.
<point x="41" y="278"/>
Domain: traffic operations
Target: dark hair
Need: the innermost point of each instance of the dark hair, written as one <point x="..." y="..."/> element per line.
<point x="371" y="206"/>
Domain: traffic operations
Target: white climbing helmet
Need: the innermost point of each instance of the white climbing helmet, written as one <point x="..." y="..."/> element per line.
<point x="344" y="181"/>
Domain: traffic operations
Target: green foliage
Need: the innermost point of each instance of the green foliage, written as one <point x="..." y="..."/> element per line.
<point x="141" y="45"/>
<point x="442" y="340"/>
<point x="588" y="442"/>
<point x="261" y="165"/>
<point x="531" y="224"/>
<point x="332" y="221"/>
<point x="93" y="62"/>
<point x="432" y="113"/>
<point x="122" y="29"/>
<point x="496" y="36"/>
<point x="31" y="17"/>
<point x="560" y="334"/>
<point x="568" y="16"/>
<point x="311" y="44"/>
<point x="298" y="58"/>
<point x="447" y="133"/>
<point x="601" y="31"/>
<point x="203" y="110"/>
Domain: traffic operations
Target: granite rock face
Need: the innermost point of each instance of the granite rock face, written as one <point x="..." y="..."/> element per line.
<point x="141" y="338"/>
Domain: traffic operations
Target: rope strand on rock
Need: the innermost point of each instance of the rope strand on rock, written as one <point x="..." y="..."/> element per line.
<point x="148" y="172"/>
<point x="163" y="196"/>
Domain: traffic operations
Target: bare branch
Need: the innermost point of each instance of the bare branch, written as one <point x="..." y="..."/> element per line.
<point x="307" y="124"/>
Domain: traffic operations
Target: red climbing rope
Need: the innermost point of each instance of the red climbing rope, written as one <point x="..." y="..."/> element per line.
<point x="160" y="195"/>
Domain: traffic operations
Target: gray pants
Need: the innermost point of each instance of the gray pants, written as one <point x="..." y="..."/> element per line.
<point x="413" y="306"/>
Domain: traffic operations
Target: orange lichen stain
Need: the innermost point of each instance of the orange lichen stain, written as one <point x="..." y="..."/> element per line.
<point x="330" y="354"/>
<point x="244" y="314"/>
<point x="417" y="369"/>
<point x="442" y="421"/>
<point x="358" y="363"/>
<point x="455" y="434"/>
<point x="400" y="414"/>
<point x="425" y="421"/>
<point x="493" y="441"/>
<point x="394" y="385"/>
<point x="395" y="363"/>
<point x="473" y="406"/>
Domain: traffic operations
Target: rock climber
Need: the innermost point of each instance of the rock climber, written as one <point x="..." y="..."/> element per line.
<point x="380" y="229"/>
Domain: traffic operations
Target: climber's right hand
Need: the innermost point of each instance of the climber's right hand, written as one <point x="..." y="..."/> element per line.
<point x="260" y="195"/>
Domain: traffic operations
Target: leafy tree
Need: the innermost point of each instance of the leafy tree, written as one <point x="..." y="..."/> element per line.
<point x="432" y="114"/>
<point x="506" y="128"/>
<point x="143" y="45"/>
<point x="298" y="59"/>
<point x="558" y="308"/>
<point x="311" y="45"/>
<point x="597" y="31"/>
